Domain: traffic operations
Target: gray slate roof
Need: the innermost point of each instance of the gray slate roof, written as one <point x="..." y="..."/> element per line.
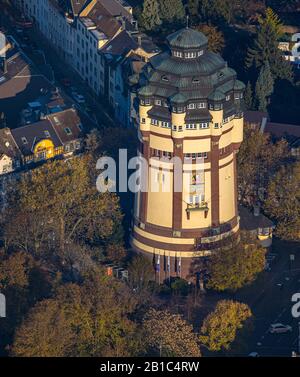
<point x="187" y="39"/>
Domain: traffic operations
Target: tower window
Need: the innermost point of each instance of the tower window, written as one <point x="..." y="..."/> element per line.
<point x="190" y="55"/>
<point x="203" y="125"/>
<point x="192" y="106"/>
<point x="154" y="122"/>
<point x="178" y="54"/>
<point x="201" y="105"/>
<point x="191" y="126"/>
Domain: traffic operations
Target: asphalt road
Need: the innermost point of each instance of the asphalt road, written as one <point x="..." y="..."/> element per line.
<point x="271" y="303"/>
<point x="35" y="48"/>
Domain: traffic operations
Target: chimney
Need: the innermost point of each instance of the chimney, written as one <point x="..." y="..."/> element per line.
<point x="256" y="210"/>
<point x="140" y="41"/>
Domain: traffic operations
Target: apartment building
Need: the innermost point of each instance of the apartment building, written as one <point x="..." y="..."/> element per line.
<point x="93" y="36"/>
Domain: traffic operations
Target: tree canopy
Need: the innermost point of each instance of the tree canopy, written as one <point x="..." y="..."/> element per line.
<point x="283" y="201"/>
<point x="91" y="319"/>
<point x="220" y="327"/>
<point x="231" y="268"/>
<point x="170" y="334"/>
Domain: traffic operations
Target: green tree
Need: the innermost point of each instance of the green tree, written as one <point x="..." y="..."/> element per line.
<point x="193" y="7"/>
<point x="150" y="16"/>
<point x="170" y="335"/>
<point x="265" y="47"/>
<point x="264" y="87"/>
<point x="87" y="320"/>
<point x="248" y="96"/>
<point x="220" y="327"/>
<point x="217" y="10"/>
<point x="171" y="10"/>
<point x="283" y="201"/>
<point x="231" y="268"/>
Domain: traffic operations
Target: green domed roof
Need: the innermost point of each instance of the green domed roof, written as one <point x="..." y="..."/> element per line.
<point x="179" y="98"/>
<point x="187" y="38"/>
<point x="217" y="96"/>
<point x="146" y="91"/>
<point x="239" y="85"/>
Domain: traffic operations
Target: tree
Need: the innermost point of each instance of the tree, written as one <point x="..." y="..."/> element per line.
<point x="150" y="16"/>
<point x="2" y="120"/>
<point x="216" y="42"/>
<point x="231" y="268"/>
<point x="220" y="327"/>
<point x="58" y="203"/>
<point x="193" y="7"/>
<point x="217" y="10"/>
<point x="264" y="87"/>
<point x="265" y="48"/>
<point x="248" y="96"/>
<point x="23" y="282"/>
<point x="258" y="159"/>
<point x="87" y="320"/>
<point x="141" y="273"/>
<point x="170" y="335"/>
<point x="171" y="10"/>
<point x="116" y="252"/>
<point x="283" y="201"/>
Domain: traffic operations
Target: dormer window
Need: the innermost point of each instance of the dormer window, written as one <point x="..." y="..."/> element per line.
<point x="24" y="140"/>
<point x="165" y="78"/>
<point x="228" y="97"/>
<point x="200" y="53"/>
<point x="201" y="105"/>
<point x="192" y="106"/>
<point x="158" y="102"/>
<point x="68" y="131"/>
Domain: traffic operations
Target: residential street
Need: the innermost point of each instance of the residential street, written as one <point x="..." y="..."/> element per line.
<point x="270" y="300"/>
<point x="35" y="48"/>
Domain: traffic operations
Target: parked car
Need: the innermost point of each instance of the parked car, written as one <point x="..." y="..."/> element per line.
<point x="78" y="98"/>
<point x="279" y="328"/>
<point x="253" y="354"/>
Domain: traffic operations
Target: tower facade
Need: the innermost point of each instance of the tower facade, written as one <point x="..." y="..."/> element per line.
<point x="190" y="108"/>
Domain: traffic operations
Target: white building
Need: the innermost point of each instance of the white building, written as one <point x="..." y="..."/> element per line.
<point x="91" y="36"/>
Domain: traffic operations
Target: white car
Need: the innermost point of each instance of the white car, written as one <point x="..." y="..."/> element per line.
<point x="279" y="328"/>
<point x="78" y="98"/>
